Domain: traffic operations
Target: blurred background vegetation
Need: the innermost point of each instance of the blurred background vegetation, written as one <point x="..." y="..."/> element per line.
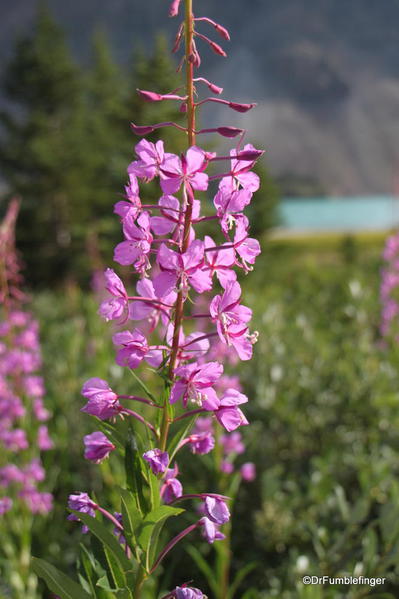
<point x="65" y="143"/>
<point x="323" y="388"/>
<point x="324" y="424"/>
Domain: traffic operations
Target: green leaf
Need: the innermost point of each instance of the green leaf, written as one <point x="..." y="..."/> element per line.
<point x="88" y="566"/>
<point x="113" y="435"/>
<point x="143" y="386"/>
<point x="119" y="566"/>
<point x="154" y="490"/>
<point x="135" y="478"/>
<point x="239" y="577"/>
<point x="57" y="581"/>
<point x="179" y="436"/>
<point x="151" y="529"/>
<point x="131" y="518"/>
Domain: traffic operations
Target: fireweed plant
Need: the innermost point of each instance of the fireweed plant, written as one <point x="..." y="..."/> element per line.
<point x="23" y="432"/>
<point x="389" y="289"/>
<point x="172" y="326"/>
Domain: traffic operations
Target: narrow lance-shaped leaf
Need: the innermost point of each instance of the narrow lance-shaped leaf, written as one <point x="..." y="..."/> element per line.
<point x="58" y="582"/>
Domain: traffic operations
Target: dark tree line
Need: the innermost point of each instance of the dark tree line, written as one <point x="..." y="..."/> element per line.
<point x="65" y="144"/>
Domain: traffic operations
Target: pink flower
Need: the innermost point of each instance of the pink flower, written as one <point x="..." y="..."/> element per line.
<point x="137" y="245"/>
<point x="37" y="502"/>
<point x="232" y="444"/>
<point x="102" y="401"/>
<point x="195" y="384"/>
<point x="228" y="413"/>
<point x="133" y="348"/>
<point x="201" y="443"/>
<point x="5" y="505"/>
<point x="115" y="307"/>
<point x="246" y="247"/>
<point x="188" y="592"/>
<point x="172" y="488"/>
<point x="231" y="320"/>
<point x="15" y="439"/>
<point x="216" y="510"/>
<point x="43" y="439"/>
<point x="248" y="471"/>
<point x="34" y="386"/>
<point x="81" y="502"/>
<point x="163" y="298"/>
<point x="229" y="203"/>
<point x="157" y="459"/>
<point x="184" y="269"/>
<point x="220" y="261"/>
<point x="10" y="474"/>
<point x="170" y="215"/>
<point x="240" y="175"/>
<point x="151" y="158"/>
<point x="40" y="411"/>
<point x="34" y="471"/>
<point x="188" y="170"/>
<point x="210" y="531"/>
<point x="226" y="467"/>
<point x="97" y="447"/>
<point x="132" y="207"/>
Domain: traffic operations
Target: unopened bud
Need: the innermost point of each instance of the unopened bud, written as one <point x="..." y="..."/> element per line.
<point x="141" y="130"/>
<point x="174" y="8"/>
<point x="229" y="131"/>
<point x="183" y="107"/>
<point x="249" y="154"/>
<point x="217" y="49"/>
<point x="222" y="31"/>
<point x="241" y="107"/>
<point x="215" y="88"/>
<point x="149" y="96"/>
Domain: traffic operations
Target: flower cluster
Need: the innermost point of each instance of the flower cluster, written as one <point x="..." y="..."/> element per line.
<point x="21" y="396"/>
<point x="389" y="290"/>
<point x="185" y="319"/>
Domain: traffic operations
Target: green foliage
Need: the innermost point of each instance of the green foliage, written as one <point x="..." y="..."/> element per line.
<point x="64" y="586"/>
<point x="324" y="432"/>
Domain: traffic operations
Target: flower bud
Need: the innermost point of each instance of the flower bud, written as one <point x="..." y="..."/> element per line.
<point x="174" y="8"/>
<point x="229" y="131"/>
<point x="149" y="96"/>
<point x="241" y="107"/>
<point x="141" y="130"/>
<point x="222" y="31"/>
<point x="217" y="49"/>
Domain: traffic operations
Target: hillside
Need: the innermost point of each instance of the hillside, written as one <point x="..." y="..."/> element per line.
<point x="324" y="73"/>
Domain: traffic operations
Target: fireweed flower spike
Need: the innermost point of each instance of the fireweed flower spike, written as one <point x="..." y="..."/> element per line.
<point x="22" y="403"/>
<point x="187" y="325"/>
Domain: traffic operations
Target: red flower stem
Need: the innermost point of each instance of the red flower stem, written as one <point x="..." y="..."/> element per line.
<point x="188" y="414"/>
<point x="205" y="218"/>
<point x="141" y="399"/>
<point x="150" y="300"/>
<point x="173" y="542"/>
<point x="141" y="419"/>
<point x="199" y="496"/>
<point x="200" y="339"/>
<point x="110" y="517"/>
<point x="178" y="318"/>
<point x="166" y="240"/>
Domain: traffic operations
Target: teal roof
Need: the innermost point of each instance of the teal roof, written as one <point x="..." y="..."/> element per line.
<point x="339" y="213"/>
